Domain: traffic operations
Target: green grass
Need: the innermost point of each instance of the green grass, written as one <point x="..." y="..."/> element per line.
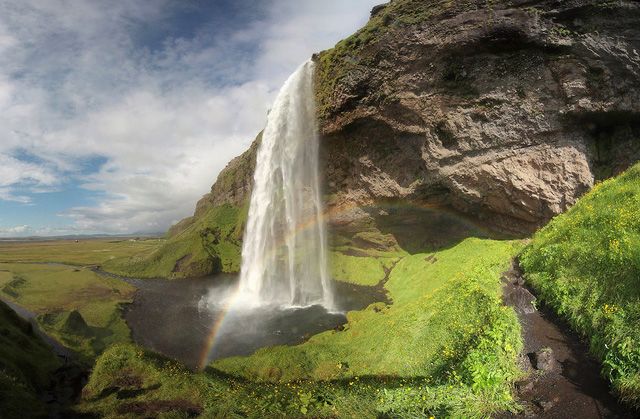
<point x="26" y="366"/>
<point x="446" y="346"/>
<point x="84" y="252"/>
<point x="428" y="291"/>
<point x="586" y="265"/>
<point x="211" y="244"/>
<point x="54" y="291"/>
<point x="360" y="270"/>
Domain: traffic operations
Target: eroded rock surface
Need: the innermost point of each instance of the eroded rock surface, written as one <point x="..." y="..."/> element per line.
<point x="505" y="112"/>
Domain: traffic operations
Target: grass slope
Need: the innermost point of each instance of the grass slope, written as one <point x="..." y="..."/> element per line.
<point x="26" y="366"/>
<point x="211" y="244"/>
<point x="445" y="347"/>
<point x="586" y="265"/>
<point x="76" y="306"/>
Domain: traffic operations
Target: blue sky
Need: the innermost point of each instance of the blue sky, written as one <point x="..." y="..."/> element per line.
<point x="117" y="116"/>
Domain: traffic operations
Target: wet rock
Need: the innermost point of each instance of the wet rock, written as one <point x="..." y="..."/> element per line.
<point x="520" y="299"/>
<point x="543" y="360"/>
<point x="545" y="405"/>
<point x="524" y="386"/>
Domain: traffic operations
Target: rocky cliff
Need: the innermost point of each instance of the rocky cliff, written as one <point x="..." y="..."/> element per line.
<point x="506" y="111"/>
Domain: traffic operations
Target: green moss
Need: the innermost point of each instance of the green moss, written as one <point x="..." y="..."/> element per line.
<point x="210" y="244"/>
<point x="586" y="265"/>
<point x="26" y="367"/>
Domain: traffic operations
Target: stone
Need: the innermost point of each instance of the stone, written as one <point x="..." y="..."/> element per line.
<point x="495" y="112"/>
<point x="543" y="360"/>
<point x="520" y="299"/>
<point x="377" y="9"/>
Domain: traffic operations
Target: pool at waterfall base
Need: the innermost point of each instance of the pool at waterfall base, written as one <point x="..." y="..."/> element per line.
<point x="195" y="321"/>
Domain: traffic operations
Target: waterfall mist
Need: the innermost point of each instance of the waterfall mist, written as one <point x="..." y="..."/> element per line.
<point x="284" y="253"/>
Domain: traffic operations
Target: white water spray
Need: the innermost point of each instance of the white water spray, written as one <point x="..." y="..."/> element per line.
<point x="284" y="254"/>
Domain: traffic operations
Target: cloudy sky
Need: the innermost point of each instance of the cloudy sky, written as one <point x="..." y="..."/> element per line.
<point x="116" y="116"/>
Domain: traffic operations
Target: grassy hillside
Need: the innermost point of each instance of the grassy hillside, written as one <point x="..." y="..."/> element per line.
<point x="586" y="265"/>
<point x="446" y="346"/>
<point x="76" y="306"/>
<point x="212" y="243"/>
<point x="26" y="366"/>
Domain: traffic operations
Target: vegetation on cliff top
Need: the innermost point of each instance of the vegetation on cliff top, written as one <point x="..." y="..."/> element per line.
<point x="586" y="265"/>
<point x="342" y="60"/>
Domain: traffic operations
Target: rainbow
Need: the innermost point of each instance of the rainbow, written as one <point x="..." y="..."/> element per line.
<point x="311" y="222"/>
<point x="215" y="330"/>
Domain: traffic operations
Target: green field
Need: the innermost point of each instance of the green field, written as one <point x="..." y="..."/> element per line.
<point x="586" y="265"/>
<point x="211" y="244"/>
<point x="83" y="252"/>
<point x="405" y="358"/>
<point x="443" y="346"/>
<point x="75" y="305"/>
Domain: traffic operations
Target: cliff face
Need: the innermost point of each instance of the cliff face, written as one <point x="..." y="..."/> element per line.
<point x="506" y="111"/>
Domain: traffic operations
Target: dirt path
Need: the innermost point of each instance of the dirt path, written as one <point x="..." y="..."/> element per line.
<point x="565" y="381"/>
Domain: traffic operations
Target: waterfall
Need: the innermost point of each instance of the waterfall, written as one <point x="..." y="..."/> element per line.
<point x="284" y="253"/>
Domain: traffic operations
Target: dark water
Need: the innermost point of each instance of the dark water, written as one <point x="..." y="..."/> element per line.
<point x="178" y="318"/>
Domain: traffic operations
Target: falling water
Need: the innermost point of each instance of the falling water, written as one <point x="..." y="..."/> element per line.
<point x="284" y="256"/>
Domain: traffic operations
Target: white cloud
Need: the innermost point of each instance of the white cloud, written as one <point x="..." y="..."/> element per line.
<point x="75" y="85"/>
<point x="15" y="231"/>
<point x="8" y="195"/>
